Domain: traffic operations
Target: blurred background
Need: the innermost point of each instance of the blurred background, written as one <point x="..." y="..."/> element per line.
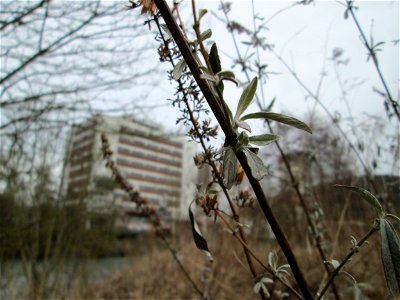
<point x="71" y="71"/>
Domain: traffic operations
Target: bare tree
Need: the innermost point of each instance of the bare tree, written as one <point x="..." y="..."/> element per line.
<point x="61" y="60"/>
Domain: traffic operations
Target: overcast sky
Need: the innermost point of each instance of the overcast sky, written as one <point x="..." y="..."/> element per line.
<point x="305" y="37"/>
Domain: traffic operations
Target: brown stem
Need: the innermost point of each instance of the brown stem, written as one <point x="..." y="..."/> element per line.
<point x="212" y="163"/>
<point x="306" y="210"/>
<point x="212" y="98"/>
<point x="269" y="270"/>
<point x="196" y="28"/>
<point x="336" y="124"/>
<point x="372" y="52"/>
<point x="148" y="212"/>
<point x="345" y="260"/>
<point x="177" y="260"/>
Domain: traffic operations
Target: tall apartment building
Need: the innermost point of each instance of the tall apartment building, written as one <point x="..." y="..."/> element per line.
<point x="157" y="164"/>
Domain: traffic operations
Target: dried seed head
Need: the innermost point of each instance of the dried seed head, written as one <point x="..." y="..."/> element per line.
<point x="148" y="7"/>
<point x="163" y="52"/>
<point x="207" y="202"/>
<point x="244" y="199"/>
<point x="198" y="160"/>
<point x="239" y="175"/>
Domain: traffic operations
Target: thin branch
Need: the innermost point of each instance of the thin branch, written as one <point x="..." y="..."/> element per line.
<point x="331" y="116"/>
<point x="307" y="213"/>
<point x="372" y="53"/>
<point x="42" y="52"/>
<point x="294" y="182"/>
<point x="143" y="207"/>
<point x="43" y="26"/>
<point x="18" y="19"/>
<point x="346" y="259"/>
<point x="269" y="270"/>
<point x="208" y="158"/>
<point x="212" y="98"/>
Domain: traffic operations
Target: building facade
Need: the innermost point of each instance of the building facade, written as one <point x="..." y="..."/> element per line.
<point x="157" y="164"/>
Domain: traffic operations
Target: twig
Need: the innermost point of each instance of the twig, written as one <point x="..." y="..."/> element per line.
<point x="145" y="210"/>
<point x="178" y="261"/>
<point x="330" y="115"/>
<point x="18" y="19"/>
<point x="372" y="52"/>
<point x="345" y="260"/>
<point x="285" y="160"/>
<point x="269" y="270"/>
<point x="212" y="98"/>
<point x="196" y="28"/>
<point x="209" y="160"/>
<point x="306" y="210"/>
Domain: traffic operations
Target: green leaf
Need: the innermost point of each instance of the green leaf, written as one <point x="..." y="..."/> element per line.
<point x="367" y="196"/>
<point x="333" y="263"/>
<point x="246" y="98"/>
<point x="166" y="30"/>
<point x="278" y="118"/>
<point x="230" y="162"/>
<point x="177" y="72"/>
<point x="258" y="169"/>
<point x="228" y="110"/>
<point x="214" y="59"/>
<point x="226" y="74"/>
<point x="202" y="12"/>
<point x="206" y="34"/>
<point x="379" y="44"/>
<point x="198" y="238"/>
<point x="243" y="125"/>
<point x="208" y="77"/>
<point x="395" y="218"/>
<point x="242" y="140"/>
<point x="346" y="14"/>
<point x="204" y="69"/>
<point x="253" y="149"/>
<point x="273" y="260"/>
<point x="263" y="139"/>
<point x="221" y="87"/>
<point x="390" y="254"/>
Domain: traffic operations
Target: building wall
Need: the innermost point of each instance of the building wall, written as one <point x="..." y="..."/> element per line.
<point x="156" y="164"/>
<point x="80" y="152"/>
<point x="189" y="177"/>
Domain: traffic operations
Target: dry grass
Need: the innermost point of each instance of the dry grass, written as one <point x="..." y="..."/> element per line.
<point x="157" y="276"/>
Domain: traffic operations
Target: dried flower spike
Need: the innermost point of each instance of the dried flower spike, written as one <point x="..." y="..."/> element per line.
<point x="148" y="7"/>
<point x="239" y="175"/>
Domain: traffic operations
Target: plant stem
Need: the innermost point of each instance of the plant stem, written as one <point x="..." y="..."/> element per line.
<point x="212" y="98"/>
<point x="284" y="158"/>
<point x="269" y="270"/>
<point x="306" y="210"/>
<point x="280" y="236"/>
<point x="345" y="260"/>
<point x="177" y="260"/>
<point x="212" y="163"/>
<point x="372" y="52"/>
<point x="331" y="116"/>
<point x="135" y="198"/>
<point x="196" y="28"/>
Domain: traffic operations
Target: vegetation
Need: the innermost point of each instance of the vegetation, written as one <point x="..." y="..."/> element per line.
<point x="284" y="213"/>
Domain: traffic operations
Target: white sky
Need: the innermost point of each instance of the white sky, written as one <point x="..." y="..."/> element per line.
<point x="305" y="37"/>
